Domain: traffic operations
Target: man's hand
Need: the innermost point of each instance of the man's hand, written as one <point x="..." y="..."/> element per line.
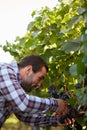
<point x="66" y="117"/>
<point x="63" y="107"/>
<point x="66" y="122"/>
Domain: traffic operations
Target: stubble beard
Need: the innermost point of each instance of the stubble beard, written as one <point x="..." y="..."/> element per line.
<point x="27" y="84"/>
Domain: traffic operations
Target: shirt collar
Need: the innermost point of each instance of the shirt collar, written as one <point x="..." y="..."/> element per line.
<point x="16" y="69"/>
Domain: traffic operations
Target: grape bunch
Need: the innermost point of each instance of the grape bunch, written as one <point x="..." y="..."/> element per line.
<point x="53" y="92"/>
<point x="73" y="113"/>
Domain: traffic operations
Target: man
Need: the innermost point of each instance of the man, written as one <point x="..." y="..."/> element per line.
<point x="18" y="78"/>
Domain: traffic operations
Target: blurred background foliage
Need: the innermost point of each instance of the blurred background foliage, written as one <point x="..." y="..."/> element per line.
<point x="59" y="36"/>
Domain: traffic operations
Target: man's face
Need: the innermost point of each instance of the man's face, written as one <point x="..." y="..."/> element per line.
<point x="33" y="80"/>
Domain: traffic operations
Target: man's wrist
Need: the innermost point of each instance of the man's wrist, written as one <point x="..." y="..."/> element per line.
<point x="54" y="105"/>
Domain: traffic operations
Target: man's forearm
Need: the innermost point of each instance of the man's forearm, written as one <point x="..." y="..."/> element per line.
<point x="38" y="119"/>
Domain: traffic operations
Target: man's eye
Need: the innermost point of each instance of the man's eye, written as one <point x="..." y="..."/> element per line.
<point x="41" y="78"/>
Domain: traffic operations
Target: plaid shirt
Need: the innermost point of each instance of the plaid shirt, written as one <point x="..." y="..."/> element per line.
<point x="27" y="108"/>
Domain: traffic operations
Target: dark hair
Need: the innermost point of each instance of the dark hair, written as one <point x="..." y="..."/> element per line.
<point x="35" y="61"/>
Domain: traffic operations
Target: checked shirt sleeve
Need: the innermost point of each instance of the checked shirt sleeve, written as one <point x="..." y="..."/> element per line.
<point x="41" y="120"/>
<point x="13" y="93"/>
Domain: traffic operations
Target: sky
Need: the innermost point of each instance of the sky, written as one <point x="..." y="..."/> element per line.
<point x="15" y="15"/>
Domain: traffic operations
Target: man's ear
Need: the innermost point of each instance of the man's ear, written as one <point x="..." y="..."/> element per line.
<point x="28" y="69"/>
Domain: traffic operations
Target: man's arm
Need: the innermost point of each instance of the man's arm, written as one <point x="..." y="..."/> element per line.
<point x="40" y="120"/>
<point x="13" y="92"/>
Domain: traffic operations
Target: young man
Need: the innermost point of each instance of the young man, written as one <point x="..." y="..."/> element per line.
<point x="18" y="78"/>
